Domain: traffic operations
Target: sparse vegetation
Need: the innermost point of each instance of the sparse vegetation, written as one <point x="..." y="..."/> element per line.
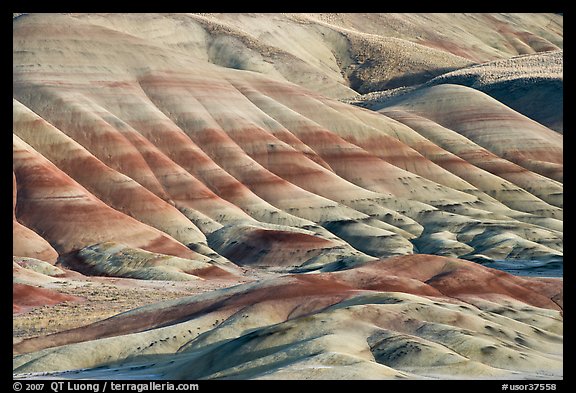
<point x="101" y="301"/>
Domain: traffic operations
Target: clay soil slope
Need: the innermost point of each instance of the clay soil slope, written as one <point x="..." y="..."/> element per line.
<point x="288" y="195"/>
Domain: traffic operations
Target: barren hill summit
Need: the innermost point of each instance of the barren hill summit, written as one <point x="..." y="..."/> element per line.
<point x="209" y="150"/>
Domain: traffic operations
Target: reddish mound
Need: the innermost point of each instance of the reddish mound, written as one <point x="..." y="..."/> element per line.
<point x="26" y="296"/>
<point x="452" y="277"/>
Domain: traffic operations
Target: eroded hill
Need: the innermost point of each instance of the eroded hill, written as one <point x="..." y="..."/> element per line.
<point x="214" y="148"/>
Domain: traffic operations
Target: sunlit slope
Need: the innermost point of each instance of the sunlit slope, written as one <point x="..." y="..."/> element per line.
<point x="161" y="150"/>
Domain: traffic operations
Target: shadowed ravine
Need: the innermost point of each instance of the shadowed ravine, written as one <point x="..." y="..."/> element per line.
<point x="205" y="196"/>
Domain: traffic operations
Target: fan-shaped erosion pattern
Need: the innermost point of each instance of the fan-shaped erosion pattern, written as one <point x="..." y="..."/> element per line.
<point x="288" y="196"/>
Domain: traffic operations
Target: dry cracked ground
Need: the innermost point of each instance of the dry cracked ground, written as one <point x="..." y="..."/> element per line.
<point x="288" y="196"/>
